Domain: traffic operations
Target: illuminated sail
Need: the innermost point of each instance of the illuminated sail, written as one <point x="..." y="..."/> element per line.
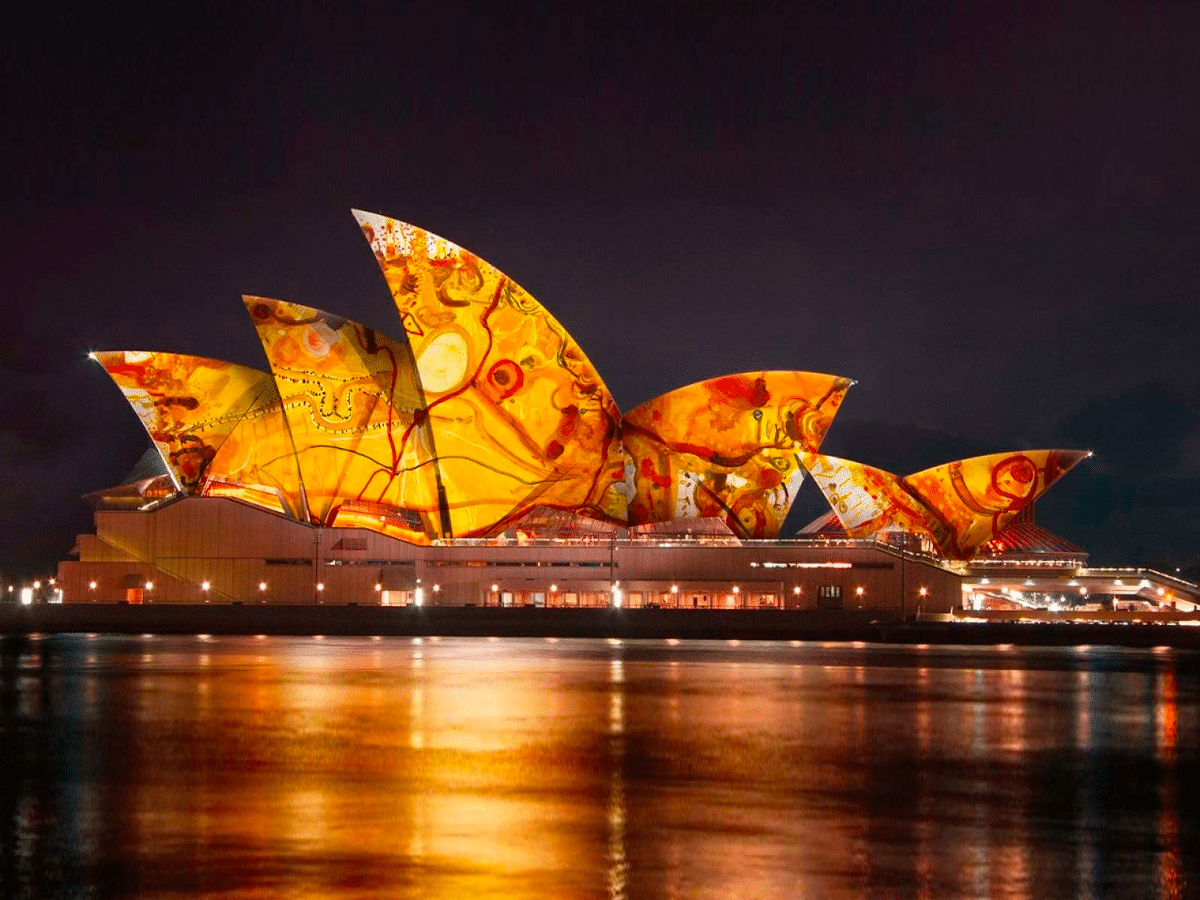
<point x="960" y="505"/>
<point x="357" y="419"/>
<point x="217" y="425"/>
<point x="519" y="416"/>
<point x="729" y="448"/>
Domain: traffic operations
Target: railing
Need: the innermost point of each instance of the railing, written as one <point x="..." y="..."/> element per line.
<point x="699" y="541"/>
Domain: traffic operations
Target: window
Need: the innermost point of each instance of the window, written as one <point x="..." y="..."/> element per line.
<point x="829" y="596"/>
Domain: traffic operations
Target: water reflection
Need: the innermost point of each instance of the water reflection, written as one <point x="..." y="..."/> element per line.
<point x="264" y="767"/>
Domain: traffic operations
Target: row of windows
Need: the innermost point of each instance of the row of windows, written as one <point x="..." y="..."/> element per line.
<point x="514" y="564"/>
<point x="823" y="565"/>
<point x="341" y="562"/>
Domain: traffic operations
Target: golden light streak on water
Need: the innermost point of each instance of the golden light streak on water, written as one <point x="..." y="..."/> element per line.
<point x="518" y="769"/>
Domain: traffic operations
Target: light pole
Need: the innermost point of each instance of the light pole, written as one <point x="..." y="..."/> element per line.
<point x="612" y="558"/>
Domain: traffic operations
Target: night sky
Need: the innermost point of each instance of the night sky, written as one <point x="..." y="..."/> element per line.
<point x="987" y="215"/>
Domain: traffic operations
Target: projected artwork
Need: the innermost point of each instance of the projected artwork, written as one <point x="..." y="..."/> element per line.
<point x="218" y="426"/>
<point x="729" y="448"/>
<point x="519" y="415"/>
<point x="485" y="409"/>
<point x="959" y="506"/>
<point x="355" y="413"/>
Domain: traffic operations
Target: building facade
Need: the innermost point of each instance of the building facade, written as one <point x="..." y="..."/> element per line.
<point x="479" y="459"/>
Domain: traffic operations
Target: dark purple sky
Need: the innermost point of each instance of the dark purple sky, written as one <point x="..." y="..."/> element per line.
<point x="987" y="215"/>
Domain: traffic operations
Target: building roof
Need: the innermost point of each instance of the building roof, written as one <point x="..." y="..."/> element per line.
<point x="958" y="507"/>
<point x="485" y="414"/>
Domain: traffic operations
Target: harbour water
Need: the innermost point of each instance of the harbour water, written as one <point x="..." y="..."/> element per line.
<point x="392" y="767"/>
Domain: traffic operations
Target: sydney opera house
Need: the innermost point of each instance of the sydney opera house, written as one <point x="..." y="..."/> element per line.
<point x="478" y="459"/>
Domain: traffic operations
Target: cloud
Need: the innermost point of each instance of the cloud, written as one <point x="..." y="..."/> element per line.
<point x="1180" y="491"/>
<point x="38" y="424"/>
<point x="1142" y="431"/>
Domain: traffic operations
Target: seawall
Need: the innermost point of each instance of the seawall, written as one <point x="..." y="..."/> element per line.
<point x="803" y="625"/>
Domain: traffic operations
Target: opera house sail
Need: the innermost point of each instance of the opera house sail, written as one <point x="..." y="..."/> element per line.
<point x="958" y="507"/>
<point x="353" y="454"/>
<point x="729" y="448"/>
<point x="520" y="416"/>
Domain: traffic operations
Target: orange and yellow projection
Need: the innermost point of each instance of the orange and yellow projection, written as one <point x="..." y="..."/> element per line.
<point x="356" y="416"/>
<point x="218" y="426"/>
<point x="486" y="409"/>
<point x="519" y="415"/>
<point x="959" y="506"/>
<point x="729" y="448"/>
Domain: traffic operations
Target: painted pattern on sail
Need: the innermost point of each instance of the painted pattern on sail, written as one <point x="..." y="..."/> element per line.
<point x="975" y="498"/>
<point x="868" y="501"/>
<point x="357" y="419"/>
<point x="519" y="415"/>
<point x="959" y="505"/>
<point x="729" y="448"/>
<point x="217" y="425"/>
